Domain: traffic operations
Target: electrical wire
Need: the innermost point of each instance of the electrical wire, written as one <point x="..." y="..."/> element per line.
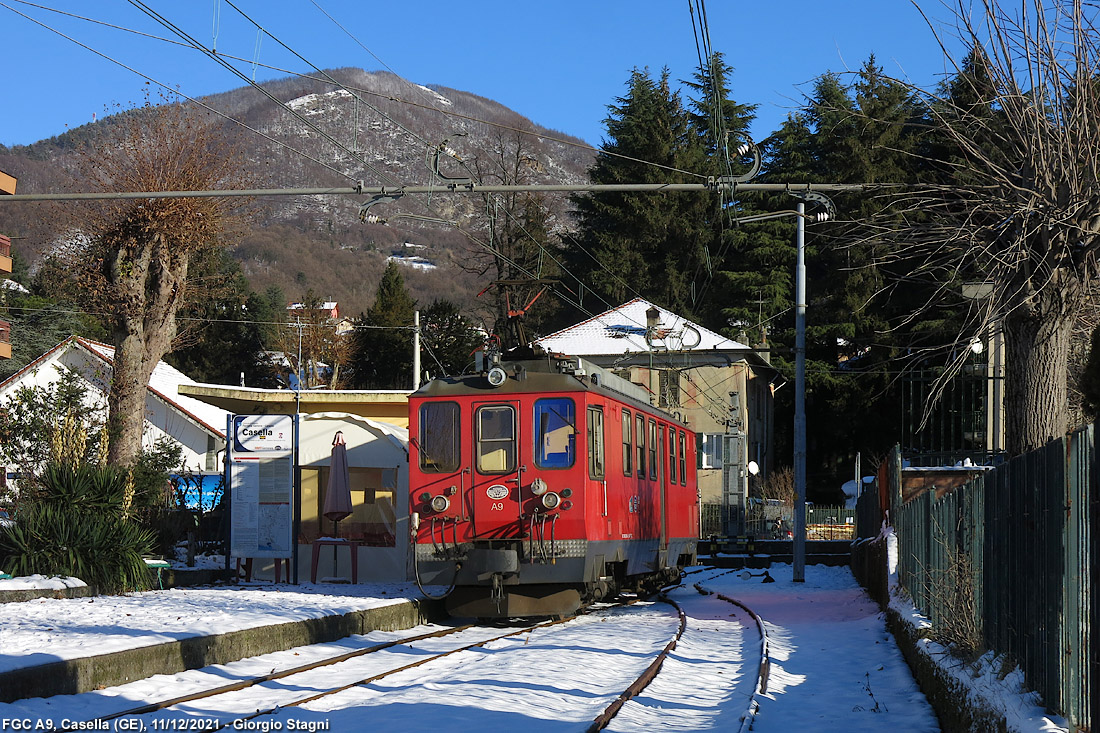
<point x="415" y="87"/>
<point x="197" y="45"/>
<point x="328" y="77"/>
<point x="357" y="90"/>
<point x="163" y="85"/>
<point x="192" y="43"/>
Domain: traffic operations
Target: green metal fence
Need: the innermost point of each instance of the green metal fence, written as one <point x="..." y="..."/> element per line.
<point x="768" y="521"/>
<point x="1004" y="563"/>
<point x="712" y="520"/>
<point x="830" y="523"/>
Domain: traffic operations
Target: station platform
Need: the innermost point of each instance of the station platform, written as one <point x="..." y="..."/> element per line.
<point x="60" y="645"/>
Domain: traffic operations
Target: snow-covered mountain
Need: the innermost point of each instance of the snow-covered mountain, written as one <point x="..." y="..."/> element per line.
<point x="343" y="126"/>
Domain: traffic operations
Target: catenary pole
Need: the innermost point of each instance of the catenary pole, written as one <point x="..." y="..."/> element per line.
<point x="800" y="398"/>
<point x="416" y="350"/>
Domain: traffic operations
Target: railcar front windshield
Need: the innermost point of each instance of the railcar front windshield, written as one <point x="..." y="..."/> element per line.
<point x="439" y="437"/>
<point x="496" y="439"/>
<point x="555" y="432"/>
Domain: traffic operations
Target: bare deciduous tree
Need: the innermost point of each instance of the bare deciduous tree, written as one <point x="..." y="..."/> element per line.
<point x="135" y="260"/>
<point x="518" y="256"/>
<point x="1021" y="214"/>
<point x="310" y="344"/>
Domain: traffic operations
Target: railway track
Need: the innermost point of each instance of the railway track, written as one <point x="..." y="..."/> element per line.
<point x="386" y="677"/>
<point x="220" y="707"/>
<point x="763" y="660"/>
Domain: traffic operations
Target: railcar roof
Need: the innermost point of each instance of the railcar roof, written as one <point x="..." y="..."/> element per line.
<point x="531" y="382"/>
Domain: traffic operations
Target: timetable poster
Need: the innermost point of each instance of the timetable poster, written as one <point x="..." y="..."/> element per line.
<point x="261" y="467"/>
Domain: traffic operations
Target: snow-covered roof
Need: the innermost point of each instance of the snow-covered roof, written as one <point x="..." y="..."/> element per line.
<point x="622" y="330"/>
<point x="163" y="383"/>
<point x="8" y="284"/>
<point x="328" y="305"/>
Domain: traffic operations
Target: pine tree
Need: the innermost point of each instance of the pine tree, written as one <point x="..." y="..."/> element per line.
<point x="720" y="125"/>
<point x="448" y="339"/>
<point x="865" y="132"/>
<point x="383" y="340"/>
<point x="225" y="334"/>
<point x="633" y="244"/>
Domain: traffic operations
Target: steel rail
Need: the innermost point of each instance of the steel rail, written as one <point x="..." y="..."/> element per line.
<point x="244" y="684"/>
<point x="252" y="681"/>
<point x="380" y="675"/>
<point x="765" y="659"/>
<point x="146" y="709"/>
<point x="636" y="687"/>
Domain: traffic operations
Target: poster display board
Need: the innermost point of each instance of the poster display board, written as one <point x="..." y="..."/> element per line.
<point x="261" y="480"/>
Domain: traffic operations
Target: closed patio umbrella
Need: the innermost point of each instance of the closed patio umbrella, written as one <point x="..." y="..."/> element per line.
<point x="338" y="493"/>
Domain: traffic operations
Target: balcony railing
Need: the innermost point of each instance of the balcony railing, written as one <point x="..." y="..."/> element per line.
<point x="5" y="340"/>
<point x="5" y="253"/>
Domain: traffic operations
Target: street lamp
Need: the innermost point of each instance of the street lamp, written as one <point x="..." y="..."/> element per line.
<point x="799" y="362"/>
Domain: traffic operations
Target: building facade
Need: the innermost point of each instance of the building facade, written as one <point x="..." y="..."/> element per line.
<point x="722" y="389"/>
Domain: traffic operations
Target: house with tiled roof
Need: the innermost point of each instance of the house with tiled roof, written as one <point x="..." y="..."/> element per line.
<point x="723" y="389"/>
<point x="197" y="427"/>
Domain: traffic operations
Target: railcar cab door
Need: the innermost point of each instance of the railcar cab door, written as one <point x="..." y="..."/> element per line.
<point x="498" y="467"/>
<point x="439" y="488"/>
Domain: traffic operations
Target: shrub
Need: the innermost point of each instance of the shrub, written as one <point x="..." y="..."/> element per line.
<point x="73" y="524"/>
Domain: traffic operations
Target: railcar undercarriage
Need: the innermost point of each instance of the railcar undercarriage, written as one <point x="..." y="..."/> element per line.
<point x="506" y="580"/>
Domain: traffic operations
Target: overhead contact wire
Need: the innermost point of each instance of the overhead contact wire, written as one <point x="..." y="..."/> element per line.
<point x="197" y="45"/>
<point x="163" y="85"/>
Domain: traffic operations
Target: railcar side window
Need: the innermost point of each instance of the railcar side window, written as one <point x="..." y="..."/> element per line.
<point x="555" y="432"/>
<point x="683" y="459"/>
<point x="653" y="449"/>
<point x="640" y="433"/>
<point x="671" y="455"/>
<point x="496" y="439"/>
<point x="628" y="444"/>
<point x="595" y="443"/>
<point x="440" y="445"/>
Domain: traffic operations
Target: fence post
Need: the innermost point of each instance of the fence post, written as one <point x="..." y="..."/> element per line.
<point x="1093" y="614"/>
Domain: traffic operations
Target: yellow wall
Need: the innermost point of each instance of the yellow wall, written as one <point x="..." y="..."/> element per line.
<point x="373" y="518"/>
<point x="311" y="497"/>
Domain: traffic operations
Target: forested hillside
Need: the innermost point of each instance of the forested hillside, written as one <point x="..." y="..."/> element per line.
<point x="372" y="127"/>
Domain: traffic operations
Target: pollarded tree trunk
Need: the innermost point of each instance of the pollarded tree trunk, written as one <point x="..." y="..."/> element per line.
<point x="143" y="247"/>
<point x="1036" y="406"/>
<point x="1037" y="338"/>
<point x="150" y="280"/>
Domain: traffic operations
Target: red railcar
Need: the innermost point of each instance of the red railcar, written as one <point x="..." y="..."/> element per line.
<point x="544" y="485"/>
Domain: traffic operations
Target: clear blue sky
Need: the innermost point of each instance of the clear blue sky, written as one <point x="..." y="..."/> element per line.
<point x="559" y="63"/>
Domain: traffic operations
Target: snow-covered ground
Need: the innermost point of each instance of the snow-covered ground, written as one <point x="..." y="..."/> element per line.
<point x="50" y="629"/>
<point x="834" y="666"/>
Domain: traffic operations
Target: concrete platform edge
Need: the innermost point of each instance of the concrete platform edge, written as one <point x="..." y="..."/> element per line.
<point x="33" y="594"/>
<point x="74" y="676"/>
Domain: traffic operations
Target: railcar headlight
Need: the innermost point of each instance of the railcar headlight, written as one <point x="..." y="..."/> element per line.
<point x="440" y="503"/>
<point x="550" y="500"/>
<point x="566" y="493"/>
<point x="538" y="487"/>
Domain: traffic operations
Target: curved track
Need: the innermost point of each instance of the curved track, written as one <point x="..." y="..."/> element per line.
<point x="232" y="705"/>
<point x="763" y="662"/>
<point x="478" y="673"/>
<point x="604" y="718"/>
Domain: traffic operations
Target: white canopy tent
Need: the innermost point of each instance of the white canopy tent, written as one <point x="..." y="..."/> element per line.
<point x="378" y="461"/>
